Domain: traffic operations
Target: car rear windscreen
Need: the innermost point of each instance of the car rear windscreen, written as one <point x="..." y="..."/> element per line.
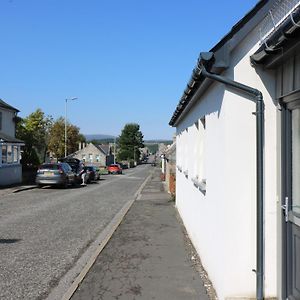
<point x="50" y="167"/>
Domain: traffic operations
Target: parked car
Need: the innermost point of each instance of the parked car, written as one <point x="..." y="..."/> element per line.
<point x="92" y="172"/>
<point x="114" y="169"/>
<point x="76" y="165"/>
<point x="59" y="174"/>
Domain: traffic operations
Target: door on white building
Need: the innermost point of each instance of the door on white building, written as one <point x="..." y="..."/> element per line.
<point x="291" y="200"/>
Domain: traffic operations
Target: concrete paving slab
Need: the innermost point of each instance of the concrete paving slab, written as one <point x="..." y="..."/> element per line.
<point x="146" y="258"/>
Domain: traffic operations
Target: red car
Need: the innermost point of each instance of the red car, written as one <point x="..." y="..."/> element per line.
<point x="114" y="169"/>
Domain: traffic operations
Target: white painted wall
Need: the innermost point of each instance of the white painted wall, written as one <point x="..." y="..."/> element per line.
<point x="222" y="223"/>
<point x="8" y="125"/>
<point x="10" y="174"/>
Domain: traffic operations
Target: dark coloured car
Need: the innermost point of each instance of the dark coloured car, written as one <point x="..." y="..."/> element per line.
<point x="59" y="174"/>
<point x="114" y="169"/>
<point x="76" y="166"/>
<point x="92" y="172"/>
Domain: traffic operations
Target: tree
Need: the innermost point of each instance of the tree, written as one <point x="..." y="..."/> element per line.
<point x="57" y="138"/>
<point x="129" y="142"/>
<point x="34" y="131"/>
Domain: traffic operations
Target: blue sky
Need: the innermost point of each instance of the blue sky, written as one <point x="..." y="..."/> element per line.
<point x="126" y="61"/>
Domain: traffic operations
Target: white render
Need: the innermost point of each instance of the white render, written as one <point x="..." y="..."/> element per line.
<point x="8" y="124"/>
<point x="222" y="223"/>
<point x="10" y="167"/>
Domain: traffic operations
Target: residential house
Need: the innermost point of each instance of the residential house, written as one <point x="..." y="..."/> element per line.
<point x="97" y="155"/>
<point x="238" y="155"/>
<point x="10" y="152"/>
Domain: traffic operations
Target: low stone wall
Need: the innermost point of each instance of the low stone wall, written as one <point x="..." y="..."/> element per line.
<point x="10" y="174"/>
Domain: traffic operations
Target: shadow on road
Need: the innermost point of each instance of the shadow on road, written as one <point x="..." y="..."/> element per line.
<point x="9" y="241"/>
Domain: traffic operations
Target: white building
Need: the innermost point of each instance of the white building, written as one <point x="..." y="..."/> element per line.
<point x="230" y="197"/>
<point x="10" y="167"/>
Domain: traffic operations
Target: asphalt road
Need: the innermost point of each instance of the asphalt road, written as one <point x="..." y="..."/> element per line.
<point x="45" y="232"/>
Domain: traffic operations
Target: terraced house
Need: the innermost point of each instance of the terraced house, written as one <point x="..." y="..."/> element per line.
<point x="238" y="155"/>
<point x="10" y="167"/>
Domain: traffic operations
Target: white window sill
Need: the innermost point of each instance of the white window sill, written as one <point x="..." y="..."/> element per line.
<point x="200" y="184"/>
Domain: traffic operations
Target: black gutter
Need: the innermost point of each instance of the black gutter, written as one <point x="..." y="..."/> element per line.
<point x="205" y="60"/>
<point x="283" y="38"/>
<point x="193" y="84"/>
<point x="240" y="24"/>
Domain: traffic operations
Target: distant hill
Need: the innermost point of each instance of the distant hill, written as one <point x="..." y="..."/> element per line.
<point x="105" y="137"/>
<point x="98" y="137"/>
<point x="167" y="142"/>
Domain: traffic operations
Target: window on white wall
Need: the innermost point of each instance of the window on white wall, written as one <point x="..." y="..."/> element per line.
<point x="179" y="152"/>
<point x="15" y="154"/>
<point x="185" y="150"/>
<point x="4" y="154"/>
<point x="9" y="154"/>
<point x="200" y="148"/>
<point x="198" y="157"/>
<point x="194" y="149"/>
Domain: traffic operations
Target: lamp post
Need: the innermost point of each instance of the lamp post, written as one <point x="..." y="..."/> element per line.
<point x="115" y="150"/>
<point x="67" y="99"/>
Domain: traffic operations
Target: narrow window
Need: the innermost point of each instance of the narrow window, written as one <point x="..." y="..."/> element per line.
<point x="9" y="154"/>
<point x="200" y="148"/>
<point x="4" y="154"/>
<point x="15" y="154"/>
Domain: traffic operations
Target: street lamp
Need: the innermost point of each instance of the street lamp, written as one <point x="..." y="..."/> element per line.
<point x="115" y="150"/>
<point x="67" y="99"/>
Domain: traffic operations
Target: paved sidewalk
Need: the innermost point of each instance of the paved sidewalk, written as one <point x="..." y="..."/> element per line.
<point x="15" y="189"/>
<point x="148" y="256"/>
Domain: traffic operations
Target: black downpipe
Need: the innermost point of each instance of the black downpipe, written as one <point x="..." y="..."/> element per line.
<point x="258" y="98"/>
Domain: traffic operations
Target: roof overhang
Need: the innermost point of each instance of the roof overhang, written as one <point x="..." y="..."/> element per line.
<point x="4" y="138"/>
<point x="281" y="44"/>
<point x="7" y="106"/>
<point x="198" y="84"/>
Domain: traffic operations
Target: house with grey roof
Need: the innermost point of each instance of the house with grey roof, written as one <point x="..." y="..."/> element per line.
<point x="238" y="155"/>
<point x="97" y="155"/>
<point x="10" y="146"/>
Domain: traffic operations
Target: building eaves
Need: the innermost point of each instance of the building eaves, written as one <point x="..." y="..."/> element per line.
<point x="238" y="26"/>
<point x="197" y="79"/>
<point x="10" y="139"/>
<point x="281" y="43"/>
<point x="7" y="106"/>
